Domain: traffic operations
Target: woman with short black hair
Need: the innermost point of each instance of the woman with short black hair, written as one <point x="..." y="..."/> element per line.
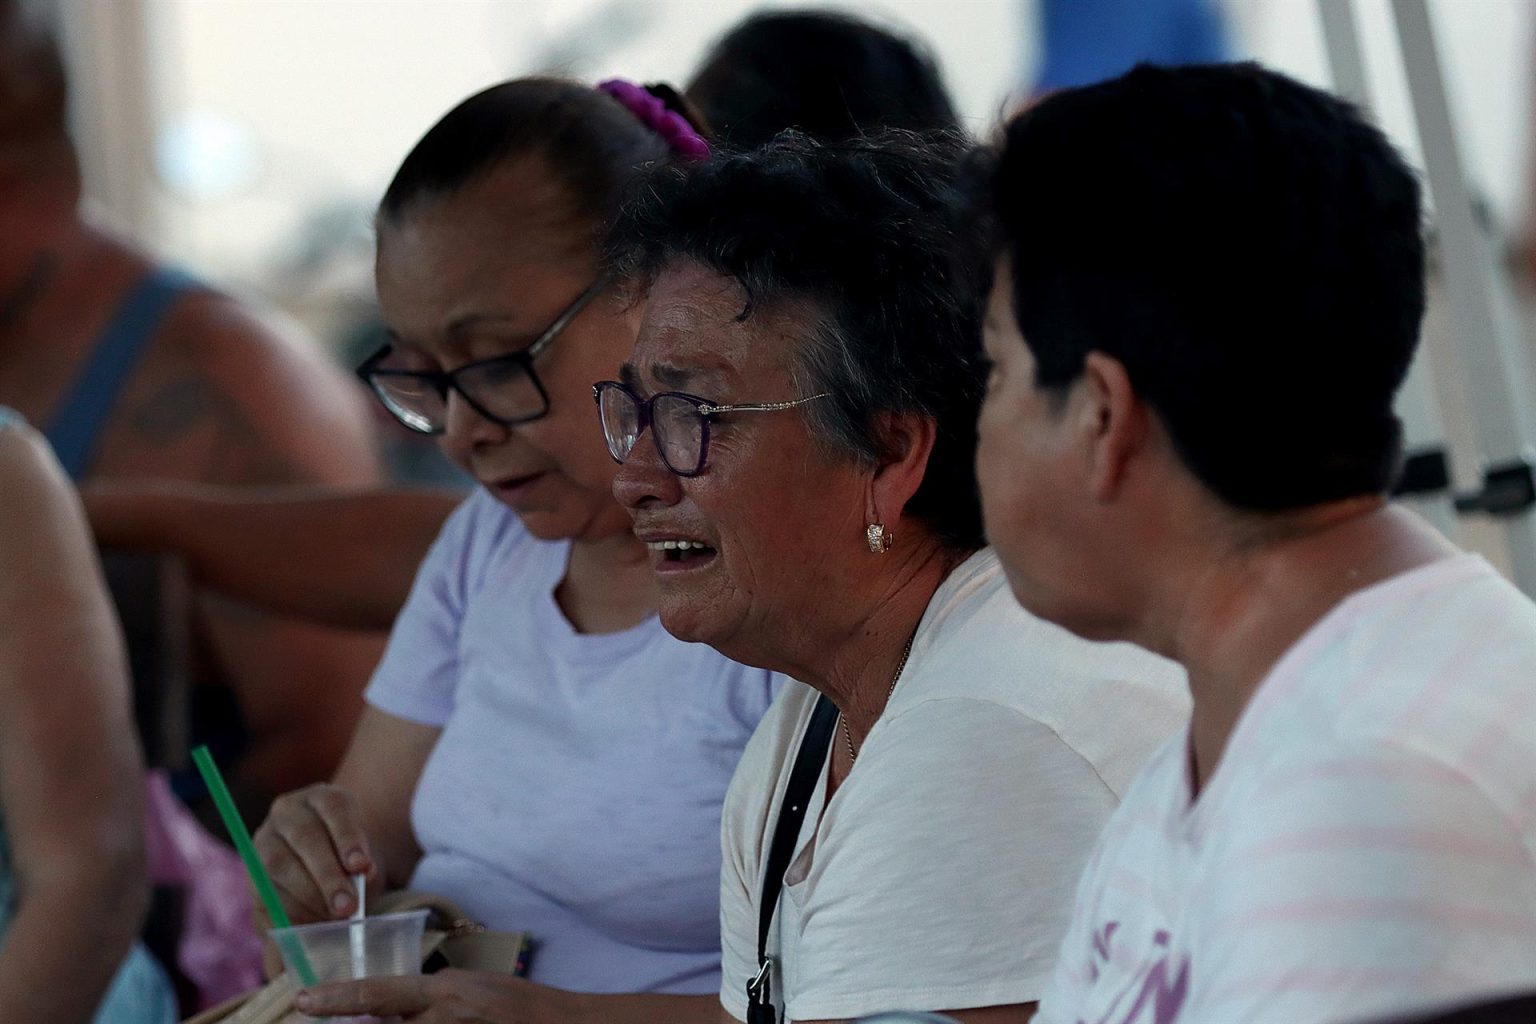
<point x="808" y="372"/>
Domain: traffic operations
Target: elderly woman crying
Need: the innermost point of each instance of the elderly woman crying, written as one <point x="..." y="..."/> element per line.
<point x="796" y="427"/>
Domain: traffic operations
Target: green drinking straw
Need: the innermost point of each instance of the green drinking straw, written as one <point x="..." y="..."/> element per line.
<point x="242" y="840"/>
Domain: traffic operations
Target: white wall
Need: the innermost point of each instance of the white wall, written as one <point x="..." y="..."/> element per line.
<point x="300" y="103"/>
<point x="294" y="106"/>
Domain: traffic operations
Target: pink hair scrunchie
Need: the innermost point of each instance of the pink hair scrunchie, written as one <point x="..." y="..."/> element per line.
<point x="673" y="128"/>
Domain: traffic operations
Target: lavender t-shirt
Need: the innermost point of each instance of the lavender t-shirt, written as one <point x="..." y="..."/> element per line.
<point x="575" y="791"/>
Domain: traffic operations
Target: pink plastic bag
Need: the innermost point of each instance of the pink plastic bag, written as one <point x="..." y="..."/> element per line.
<point x="220" y="950"/>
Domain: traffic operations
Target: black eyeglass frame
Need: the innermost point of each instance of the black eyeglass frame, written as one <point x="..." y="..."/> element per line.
<point x="705" y="408"/>
<point x="444" y="381"/>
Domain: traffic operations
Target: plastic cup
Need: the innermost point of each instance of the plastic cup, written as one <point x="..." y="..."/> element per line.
<point x="390" y="946"/>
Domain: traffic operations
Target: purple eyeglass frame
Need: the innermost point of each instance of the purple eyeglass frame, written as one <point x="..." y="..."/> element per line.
<point x="703" y="406"/>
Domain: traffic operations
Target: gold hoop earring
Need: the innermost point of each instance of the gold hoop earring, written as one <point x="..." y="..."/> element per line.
<point x="879" y="541"/>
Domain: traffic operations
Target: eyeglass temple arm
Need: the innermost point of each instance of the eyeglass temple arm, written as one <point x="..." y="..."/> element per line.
<point x="582" y="301"/>
<point x="711" y="410"/>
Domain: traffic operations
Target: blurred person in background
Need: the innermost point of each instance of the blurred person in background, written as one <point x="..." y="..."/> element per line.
<point x="347" y="558"/>
<point x="1210" y="284"/>
<point x="73" y="890"/>
<point x="830" y="75"/>
<point x="135" y="373"/>
<point x="536" y="747"/>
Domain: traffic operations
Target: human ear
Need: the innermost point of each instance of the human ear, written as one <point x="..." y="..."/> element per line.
<point x="906" y="442"/>
<point x="1112" y="422"/>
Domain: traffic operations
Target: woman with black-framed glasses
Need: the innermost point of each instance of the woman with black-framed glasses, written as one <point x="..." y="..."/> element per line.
<point x="504" y="389"/>
<point x="536" y="747"/>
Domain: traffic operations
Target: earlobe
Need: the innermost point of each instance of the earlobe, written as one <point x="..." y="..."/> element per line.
<point x="1115" y="423"/>
<point x="907" y="441"/>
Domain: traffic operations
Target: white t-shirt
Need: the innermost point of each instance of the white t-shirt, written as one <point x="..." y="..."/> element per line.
<point x="1367" y="846"/>
<point x="940" y="875"/>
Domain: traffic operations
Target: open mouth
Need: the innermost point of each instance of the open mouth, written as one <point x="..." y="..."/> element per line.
<point x="515" y="484"/>
<point x="681" y="552"/>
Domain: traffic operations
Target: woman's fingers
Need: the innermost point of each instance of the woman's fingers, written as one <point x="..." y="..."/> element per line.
<point x="381" y="997"/>
<point x="348" y="851"/>
<point x="307" y="844"/>
<point x="449" y="995"/>
<point x="301" y="897"/>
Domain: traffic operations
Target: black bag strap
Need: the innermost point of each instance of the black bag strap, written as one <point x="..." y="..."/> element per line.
<point x="797" y="796"/>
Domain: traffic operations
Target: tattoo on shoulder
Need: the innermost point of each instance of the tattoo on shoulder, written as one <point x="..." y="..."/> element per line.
<point x="172" y="410"/>
<point x="208" y="435"/>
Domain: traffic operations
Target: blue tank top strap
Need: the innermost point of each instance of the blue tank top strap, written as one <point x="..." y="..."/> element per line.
<point x="9" y="417"/>
<point x="76" y="426"/>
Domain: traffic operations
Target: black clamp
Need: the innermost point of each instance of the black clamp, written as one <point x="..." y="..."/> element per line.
<point x="760" y="1008"/>
<point x="1426" y="471"/>
<point x="1509" y="488"/>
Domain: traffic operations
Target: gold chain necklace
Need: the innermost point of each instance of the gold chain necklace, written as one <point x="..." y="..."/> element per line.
<point x="848" y="736"/>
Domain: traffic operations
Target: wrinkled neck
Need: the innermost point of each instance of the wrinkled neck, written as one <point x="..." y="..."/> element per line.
<point x="855" y="661"/>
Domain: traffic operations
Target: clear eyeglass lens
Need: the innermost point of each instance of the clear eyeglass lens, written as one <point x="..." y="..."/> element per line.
<point x="504" y="389"/>
<point x="679" y="431"/>
<point x="412" y="401"/>
<point x="621" y="422"/>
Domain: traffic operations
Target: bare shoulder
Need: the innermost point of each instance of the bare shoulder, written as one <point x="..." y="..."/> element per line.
<point x="234" y="393"/>
<point x="30" y="477"/>
<point x="43" y="536"/>
<point x="248" y="346"/>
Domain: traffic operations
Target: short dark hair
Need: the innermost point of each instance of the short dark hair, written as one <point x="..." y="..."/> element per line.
<point x="588" y="141"/>
<point x="824" y="73"/>
<point x="1248" y="247"/>
<point x="869" y="235"/>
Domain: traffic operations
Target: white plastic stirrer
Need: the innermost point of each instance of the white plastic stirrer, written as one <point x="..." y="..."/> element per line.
<point x="355" y="933"/>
